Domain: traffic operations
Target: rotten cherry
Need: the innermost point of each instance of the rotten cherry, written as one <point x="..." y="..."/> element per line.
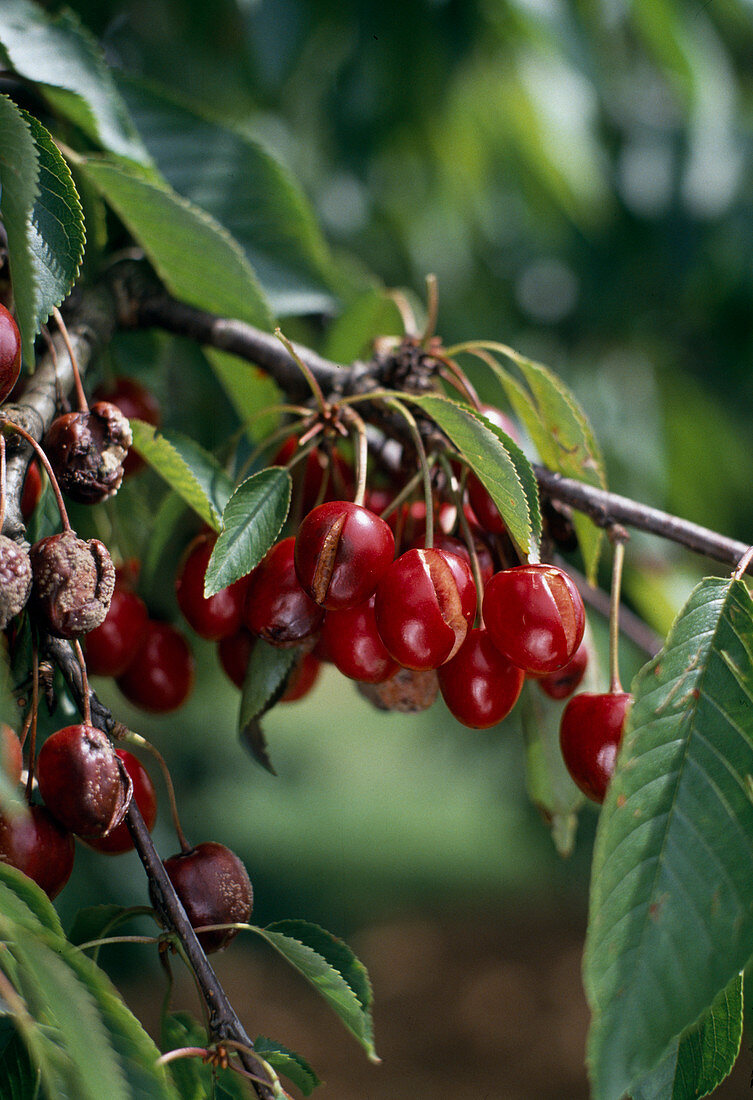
<point x="214" y="887"/>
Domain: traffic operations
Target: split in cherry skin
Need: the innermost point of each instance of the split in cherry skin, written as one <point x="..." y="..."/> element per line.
<point x="81" y="781"/>
<point x="590" y="734"/>
<point x="119" y="840"/>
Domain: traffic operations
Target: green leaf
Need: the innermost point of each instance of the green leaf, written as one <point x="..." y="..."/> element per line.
<point x="196" y="258"/>
<point x="20" y="1080"/>
<point x="188" y="469"/>
<point x="699" y="1061"/>
<point x="250" y="391"/>
<point x="19" y="173"/>
<point x="245" y="189"/>
<point x="61" y="55"/>
<point x="25" y="903"/>
<point x="251" y="521"/>
<point x="194" y="1079"/>
<point x="489" y="453"/>
<point x="266" y="676"/>
<point x="287" y="1062"/>
<point x="672" y="863"/>
<point x="332" y="968"/>
<point x="351" y="335"/>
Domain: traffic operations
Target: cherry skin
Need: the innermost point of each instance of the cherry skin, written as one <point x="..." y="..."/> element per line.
<point x="457" y="546"/>
<point x="37" y="844"/>
<point x="111" y="647"/>
<point x="160" y="677"/>
<point x="352" y="641"/>
<point x="11" y="754"/>
<point x="10" y="353"/>
<point x="81" y="782"/>
<point x="212" y="617"/>
<point x="535" y="616"/>
<point x="342" y="551"/>
<point x="424" y="607"/>
<point x="135" y="402"/>
<point x="277" y="609"/>
<point x="563" y="682"/>
<point x="120" y="840"/>
<point x="32" y="491"/>
<point x="235" y="653"/>
<point x="479" y="685"/>
<point x="214" y="887"/>
<point x="590" y="734"/>
<point x="302" y="679"/>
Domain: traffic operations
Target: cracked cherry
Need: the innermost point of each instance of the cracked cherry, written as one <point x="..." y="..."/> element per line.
<point x="424" y="606"/>
<point x="10" y="352"/>
<point x="87" y="450"/>
<point x="563" y="682"/>
<point x="590" y="734"/>
<point x="120" y="840"/>
<point x="160" y="677"/>
<point x="457" y="546"/>
<point x="214" y="887"/>
<point x="81" y="781"/>
<point x="479" y="685"/>
<point x="135" y="402"/>
<point x="212" y="617"/>
<point x="277" y="609"/>
<point x="39" y="846"/>
<point x="535" y="616"/>
<point x="342" y="551"/>
<point x="354" y="646"/>
<point x="111" y="647"/>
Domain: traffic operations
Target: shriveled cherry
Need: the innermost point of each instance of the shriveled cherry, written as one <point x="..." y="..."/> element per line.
<point x="214" y="887"/>
<point x="38" y="845"/>
<point x="563" y="682"/>
<point x="111" y="647"/>
<point x="11" y="754"/>
<point x="424" y="607"/>
<point x="590" y="734"/>
<point x="277" y="609"/>
<point x="407" y="691"/>
<point x="342" y="551"/>
<point x="73" y="583"/>
<point x="15" y="579"/>
<point x="135" y="401"/>
<point x="87" y="451"/>
<point x="160" y="677"/>
<point x="535" y="616"/>
<point x="354" y="646"/>
<point x="479" y="685"/>
<point x="212" y="617"/>
<point x="302" y="679"/>
<point x="81" y="780"/>
<point x="120" y="840"/>
<point x="10" y="352"/>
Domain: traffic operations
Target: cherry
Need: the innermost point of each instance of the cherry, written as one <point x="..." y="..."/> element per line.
<point x="15" y="579"/>
<point x="277" y="609"/>
<point x="563" y="682"/>
<point x="38" y="845"/>
<point x="73" y="583"/>
<point x="11" y="754"/>
<point x="457" y="546"/>
<point x="234" y="652"/>
<point x="111" y="647"/>
<point x="10" y="353"/>
<point x="160" y="677"/>
<point x="407" y="691"/>
<point x="32" y="491"/>
<point x="135" y="402"/>
<point x="120" y="840"/>
<point x="302" y="679"/>
<point x="424" y="606"/>
<point x="342" y="551"/>
<point x="535" y="616"/>
<point x="81" y="780"/>
<point x="212" y="617"/>
<point x="590" y="734"/>
<point x="483" y="506"/>
<point x="325" y="476"/>
<point x="352" y="641"/>
<point x="479" y="685"/>
<point x="87" y="451"/>
<point x="214" y="887"/>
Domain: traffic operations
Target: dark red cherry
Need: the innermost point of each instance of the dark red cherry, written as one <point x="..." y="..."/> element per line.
<point x="325" y="477"/>
<point x="111" y="647"/>
<point x="38" y="845"/>
<point x="11" y="754"/>
<point x="73" y="583"/>
<point x="10" y="353"/>
<point x="535" y="616"/>
<point x="31" y="492"/>
<point x="424" y="606"/>
<point x="563" y="682"/>
<point x="341" y="553"/>
<point x="119" y="840"/>
<point x="457" y="546"/>
<point x="353" y="643"/>
<point x="81" y="781"/>
<point x="302" y="679"/>
<point x="235" y="653"/>
<point x="590" y="734"/>
<point x="277" y="609"/>
<point x="214" y="887"/>
<point x="135" y="402"/>
<point x="87" y="451"/>
<point x="479" y="685"/>
<point x="160" y="676"/>
<point x="212" y="617"/>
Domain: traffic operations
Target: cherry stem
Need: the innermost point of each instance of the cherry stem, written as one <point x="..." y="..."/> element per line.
<point x="432" y="308"/>
<point x="136" y="739"/>
<point x="362" y="452"/>
<point x="307" y="372"/>
<point x="458" y="379"/>
<point x="84" y="680"/>
<point x="34" y="713"/>
<point x="82" y="402"/>
<point x="740" y="568"/>
<point x="468" y="538"/>
<point x="11" y="425"/>
<point x="182" y="1052"/>
<point x="424" y="466"/>
<point x="619" y="537"/>
<point x="2" y="481"/>
<point x="116" y="939"/>
<point x="405" y="309"/>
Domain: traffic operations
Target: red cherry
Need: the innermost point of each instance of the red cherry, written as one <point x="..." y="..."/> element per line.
<point x="32" y="491"/>
<point x="535" y="616"/>
<point x="277" y="608"/>
<point x="160" y="676"/>
<point x="81" y="782"/>
<point x="353" y="644"/>
<point x="457" y="546"/>
<point x="10" y="353"/>
<point x="38" y="845"/>
<point x="424" y="606"/>
<point x="324" y="477"/>
<point x="212" y="617"/>
<point x="119" y="840"/>
<point x="302" y="679"/>
<point x="590" y="734"/>
<point x="135" y="402"/>
<point x="479" y="685"/>
<point x="11" y="754"/>
<point x="214" y="887"/>
<point x="341" y="553"/>
<point x="563" y="682"/>
<point x="235" y="653"/>
<point x="111" y="647"/>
